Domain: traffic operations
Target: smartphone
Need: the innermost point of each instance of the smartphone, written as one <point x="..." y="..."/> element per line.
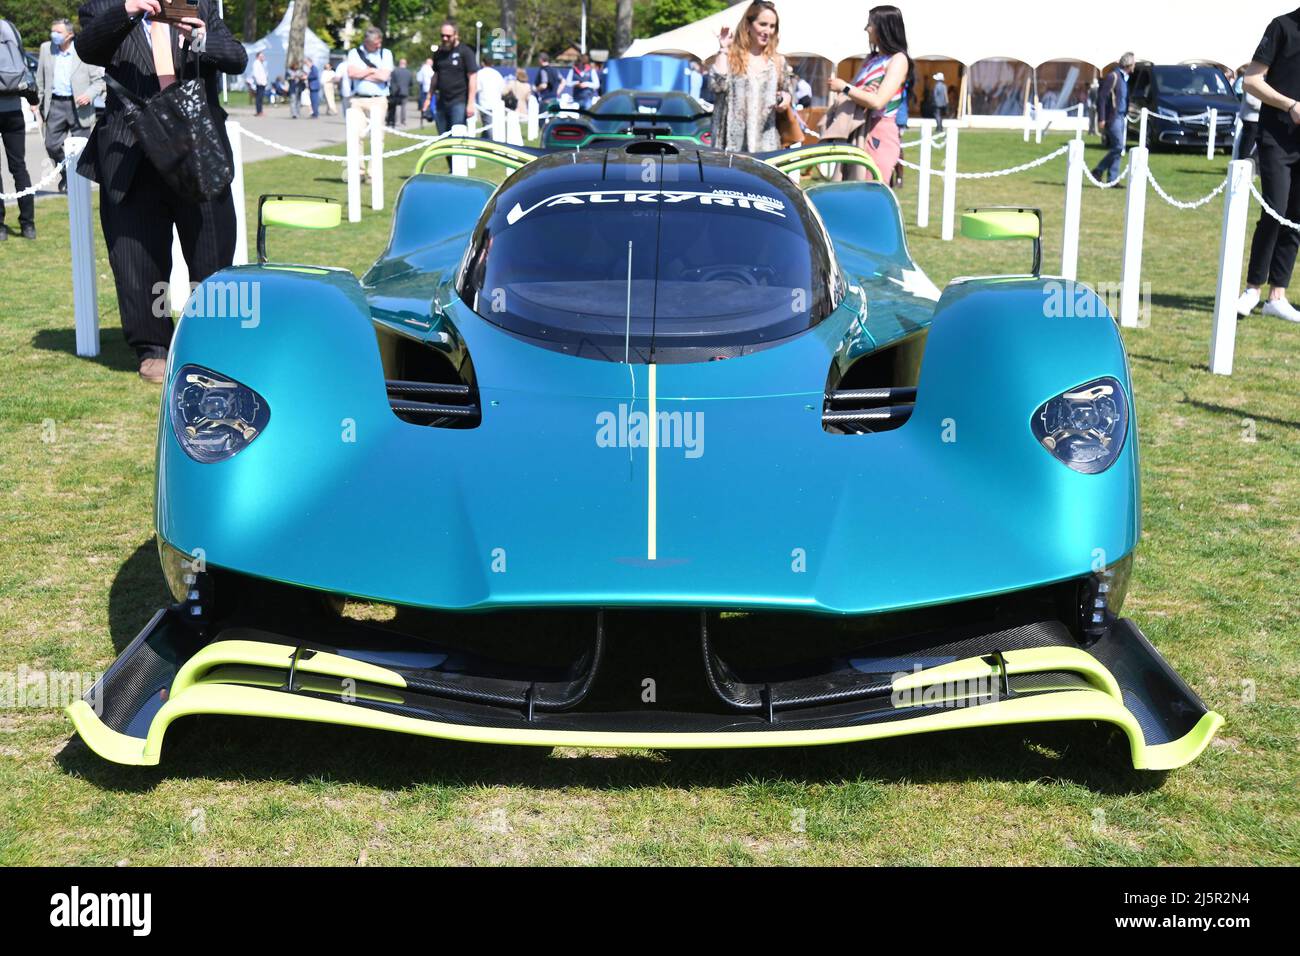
<point x="174" y="11"/>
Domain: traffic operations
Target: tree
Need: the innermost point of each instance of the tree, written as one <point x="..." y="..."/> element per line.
<point x="623" y="27"/>
<point x="660" y="16"/>
<point x="297" y="33"/>
<point x="250" y="20"/>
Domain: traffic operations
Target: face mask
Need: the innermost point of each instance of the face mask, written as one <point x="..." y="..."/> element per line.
<point x="56" y="39"/>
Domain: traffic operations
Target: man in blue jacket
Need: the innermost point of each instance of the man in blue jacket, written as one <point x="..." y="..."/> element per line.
<point x="313" y="85"/>
<point x="1112" y="117"/>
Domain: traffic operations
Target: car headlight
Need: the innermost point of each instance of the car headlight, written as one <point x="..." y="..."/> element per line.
<point x="213" y="416"/>
<point x="1084" y="427"/>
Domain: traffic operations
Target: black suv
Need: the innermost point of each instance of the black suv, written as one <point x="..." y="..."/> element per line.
<point x="1178" y="96"/>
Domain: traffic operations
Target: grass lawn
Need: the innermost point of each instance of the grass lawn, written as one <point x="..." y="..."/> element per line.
<point x="1215" y="588"/>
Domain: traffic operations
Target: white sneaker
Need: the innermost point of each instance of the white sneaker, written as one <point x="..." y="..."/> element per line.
<point x="1246" y="304"/>
<point x="1281" y="309"/>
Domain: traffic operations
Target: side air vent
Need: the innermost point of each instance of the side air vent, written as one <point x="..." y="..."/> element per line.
<point x="874" y="392"/>
<point x="433" y="403"/>
<point x="857" y="411"/>
<point x="429" y="384"/>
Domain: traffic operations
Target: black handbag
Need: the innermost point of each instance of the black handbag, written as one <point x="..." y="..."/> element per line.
<point x="179" y="136"/>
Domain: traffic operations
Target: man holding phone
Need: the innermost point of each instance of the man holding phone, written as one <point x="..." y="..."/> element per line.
<point x="145" y="53"/>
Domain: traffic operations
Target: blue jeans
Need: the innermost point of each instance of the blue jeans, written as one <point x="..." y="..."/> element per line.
<point x="449" y="113"/>
<point x="1112" y="137"/>
<point x="315" y="102"/>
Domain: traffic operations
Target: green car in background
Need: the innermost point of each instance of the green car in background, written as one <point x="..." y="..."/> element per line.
<point x="624" y="115"/>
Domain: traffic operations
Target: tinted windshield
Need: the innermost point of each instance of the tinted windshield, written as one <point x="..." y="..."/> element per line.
<point x="631" y="104"/>
<point x="687" y="272"/>
<point x="1191" y="81"/>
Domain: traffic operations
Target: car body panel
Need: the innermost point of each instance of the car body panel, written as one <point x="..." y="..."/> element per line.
<point x="749" y="511"/>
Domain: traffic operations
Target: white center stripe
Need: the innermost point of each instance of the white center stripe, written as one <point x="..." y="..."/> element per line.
<point x="652" y="506"/>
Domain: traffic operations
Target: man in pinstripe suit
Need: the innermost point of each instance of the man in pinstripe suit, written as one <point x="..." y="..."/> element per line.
<point x="137" y="210"/>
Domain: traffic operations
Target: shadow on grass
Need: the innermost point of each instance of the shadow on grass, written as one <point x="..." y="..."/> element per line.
<point x="228" y="748"/>
<point x="137" y="591"/>
<point x="114" y="353"/>
<point x="1183" y="303"/>
<point x="1238" y="413"/>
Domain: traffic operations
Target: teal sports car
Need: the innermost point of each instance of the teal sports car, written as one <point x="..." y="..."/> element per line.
<point x="645" y="447"/>
<point x="625" y="116"/>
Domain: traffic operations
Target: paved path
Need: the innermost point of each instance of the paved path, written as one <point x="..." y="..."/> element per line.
<point x="275" y="124"/>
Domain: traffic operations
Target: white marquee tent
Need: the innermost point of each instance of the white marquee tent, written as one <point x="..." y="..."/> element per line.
<point x="1163" y="31"/>
<point x="276" y="42"/>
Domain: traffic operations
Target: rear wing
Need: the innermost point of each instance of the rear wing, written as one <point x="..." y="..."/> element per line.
<point x="516" y="157"/>
<point x="511" y="157"/>
<point x="825" y="151"/>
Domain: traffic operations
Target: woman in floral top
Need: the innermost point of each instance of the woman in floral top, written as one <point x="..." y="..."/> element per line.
<point x="878" y="90"/>
<point x="750" y="82"/>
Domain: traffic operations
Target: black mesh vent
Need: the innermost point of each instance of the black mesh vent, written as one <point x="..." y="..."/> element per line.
<point x="125" y="689"/>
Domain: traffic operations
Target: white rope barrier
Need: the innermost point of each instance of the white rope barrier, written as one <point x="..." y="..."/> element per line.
<point x="426" y="137"/>
<point x="1176" y="118"/>
<point x="1254" y="191"/>
<point x="424" y="141"/>
<point x="1179" y="204"/>
<point x="992" y="174"/>
<point x="938" y="139"/>
<point x="49" y="178"/>
<point x="1123" y="173"/>
<point x="291" y="151"/>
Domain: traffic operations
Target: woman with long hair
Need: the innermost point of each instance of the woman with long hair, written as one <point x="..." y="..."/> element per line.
<point x="750" y="83"/>
<point x="877" y="91"/>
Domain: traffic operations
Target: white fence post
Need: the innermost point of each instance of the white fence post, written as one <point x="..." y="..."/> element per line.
<point x="534" y="118"/>
<point x="1142" y="128"/>
<point x="1134" y="212"/>
<point x="923" y="178"/>
<point x="459" y="164"/>
<point x="1213" y="133"/>
<point x="498" y="122"/>
<point x="178" y="287"/>
<point x="514" y="128"/>
<point x="377" y="157"/>
<point x="1078" y="130"/>
<point x="949" y="182"/>
<point x="235" y="132"/>
<point x="1232" y="245"/>
<point x="353" y="133"/>
<point x="85" y="301"/>
<point x="1073" y="210"/>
